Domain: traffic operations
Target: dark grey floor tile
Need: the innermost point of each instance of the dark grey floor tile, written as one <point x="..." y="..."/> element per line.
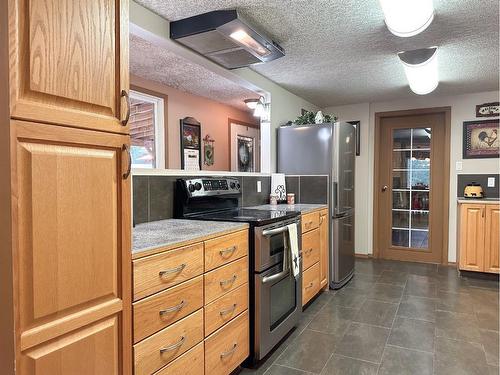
<point x="368" y="266"/>
<point x="421" y="289"/>
<point x="282" y="370"/>
<point x="487" y="319"/>
<point x="455" y="302"/>
<point x="457" y="326"/>
<point x="339" y="365"/>
<point x="459" y="358"/>
<point x="484" y="298"/>
<point x="412" y="334"/>
<point x="453" y="284"/>
<point x="339" y="311"/>
<point x="422" y="269"/>
<point x="493" y="370"/>
<point x="418" y="308"/>
<point x="363" y="341"/>
<point x="318" y="302"/>
<point x="423" y="279"/>
<point x="490" y="340"/>
<point x="359" y="284"/>
<point x="393" y="277"/>
<point x="309" y="351"/>
<point x="349" y="299"/>
<point x="370" y="277"/>
<point x="376" y="313"/>
<point x="386" y="292"/>
<point x="448" y="271"/>
<point x="399" y="361"/>
<point x="329" y="323"/>
<point x="480" y="283"/>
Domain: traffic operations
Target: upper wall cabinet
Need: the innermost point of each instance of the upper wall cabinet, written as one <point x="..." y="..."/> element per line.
<point x="69" y="62"/>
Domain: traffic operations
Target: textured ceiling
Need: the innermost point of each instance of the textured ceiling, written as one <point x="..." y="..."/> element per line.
<point x="340" y="52"/>
<point x="160" y="65"/>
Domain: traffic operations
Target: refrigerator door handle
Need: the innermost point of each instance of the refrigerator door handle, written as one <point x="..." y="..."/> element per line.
<point x="335" y="187"/>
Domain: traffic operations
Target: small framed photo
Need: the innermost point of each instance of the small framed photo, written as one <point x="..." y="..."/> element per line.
<point x="190" y="144"/>
<point x="480" y="139"/>
<point x="488" y="110"/>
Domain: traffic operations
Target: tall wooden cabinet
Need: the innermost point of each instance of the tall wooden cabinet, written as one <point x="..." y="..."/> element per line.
<point x="68" y="177"/>
<point x="479" y="233"/>
<point x="324" y="247"/>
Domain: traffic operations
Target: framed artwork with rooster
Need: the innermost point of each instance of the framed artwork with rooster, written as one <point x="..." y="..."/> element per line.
<point x="481" y="139"/>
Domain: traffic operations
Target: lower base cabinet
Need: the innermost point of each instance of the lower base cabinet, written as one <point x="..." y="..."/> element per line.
<point x="190" y="363"/>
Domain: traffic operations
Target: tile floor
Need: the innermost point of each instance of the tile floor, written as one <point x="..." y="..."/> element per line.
<point x="395" y="318"/>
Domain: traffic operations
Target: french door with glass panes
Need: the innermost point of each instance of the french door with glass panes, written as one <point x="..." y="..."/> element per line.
<point x="412" y="189"/>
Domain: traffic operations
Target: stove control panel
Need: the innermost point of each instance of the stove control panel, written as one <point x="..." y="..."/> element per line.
<point x="203" y="187"/>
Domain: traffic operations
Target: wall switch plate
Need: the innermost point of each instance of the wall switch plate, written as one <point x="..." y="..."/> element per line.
<point x="491" y="181"/>
<point x="259" y="187"/>
<point x="458" y="166"/>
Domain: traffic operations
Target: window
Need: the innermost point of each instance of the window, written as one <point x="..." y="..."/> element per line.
<point x="147" y="130"/>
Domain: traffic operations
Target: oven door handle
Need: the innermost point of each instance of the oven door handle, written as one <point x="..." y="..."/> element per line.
<point x="276" y="276"/>
<point x="271" y="232"/>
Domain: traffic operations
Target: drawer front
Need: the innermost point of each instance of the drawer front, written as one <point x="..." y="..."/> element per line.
<point x="225" y="249"/>
<point x="225" y="308"/>
<point x="225" y="279"/>
<point x="161" y="271"/>
<point x="190" y="363"/>
<point x="310" y="221"/>
<point x="162" y="309"/>
<point x="310" y="248"/>
<point x="163" y="347"/>
<point x="310" y="283"/>
<point x="227" y="347"/>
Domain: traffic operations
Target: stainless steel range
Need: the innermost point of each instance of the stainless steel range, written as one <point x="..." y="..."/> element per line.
<point x="275" y="294"/>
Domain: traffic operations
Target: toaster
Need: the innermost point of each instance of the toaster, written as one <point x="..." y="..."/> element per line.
<point x="473" y="190"/>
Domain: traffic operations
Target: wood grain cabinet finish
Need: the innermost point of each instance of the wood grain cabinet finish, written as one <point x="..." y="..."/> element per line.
<point x="72" y="256"/>
<point x="225" y="249"/>
<point x="225" y="279"/>
<point x="310" y="248"/>
<point x="324" y="247"/>
<point x="69" y="62"/>
<point x="492" y="239"/>
<point x="190" y="363"/>
<point x="310" y="221"/>
<point x="76" y="353"/>
<point x="310" y="283"/>
<point x="479" y="237"/>
<point x="228" y="347"/>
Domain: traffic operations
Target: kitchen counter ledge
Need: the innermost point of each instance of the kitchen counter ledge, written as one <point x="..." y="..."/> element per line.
<point x="157" y="236"/>
<point x="479" y="200"/>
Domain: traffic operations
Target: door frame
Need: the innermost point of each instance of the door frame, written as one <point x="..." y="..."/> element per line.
<point x="446" y="111"/>
<point x="230" y="143"/>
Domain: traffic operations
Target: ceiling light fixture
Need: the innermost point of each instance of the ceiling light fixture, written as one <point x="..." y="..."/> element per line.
<point x="251" y="103"/>
<point x="407" y="18"/>
<point x="421" y="68"/>
<point x="242" y="37"/>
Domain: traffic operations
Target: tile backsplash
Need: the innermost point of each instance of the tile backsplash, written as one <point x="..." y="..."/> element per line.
<point x="153" y="196"/>
<point x="482" y="179"/>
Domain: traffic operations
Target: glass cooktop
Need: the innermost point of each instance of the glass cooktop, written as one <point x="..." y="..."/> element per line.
<point x="252" y="216"/>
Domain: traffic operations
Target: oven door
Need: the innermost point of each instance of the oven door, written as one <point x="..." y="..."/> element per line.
<point x="270" y="243"/>
<point x="278" y="307"/>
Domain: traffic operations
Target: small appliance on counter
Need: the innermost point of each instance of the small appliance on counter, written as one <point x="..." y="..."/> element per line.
<point x="473" y="190"/>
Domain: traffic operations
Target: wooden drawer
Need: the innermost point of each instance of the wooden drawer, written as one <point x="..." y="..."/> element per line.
<point x="225" y="249"/>
<point x="160" y="271"/>
<point x="225" y="308"/>
<point x="310" y="221"/>
<point x="177" y="338"/>
<point x="228" y="347"/>
<point x="162" y="309"/>
<point x="310" y="283"/>
<point x="226" y="278"/>
<point x="310" y="248"/>
<point x="190" y="363"/>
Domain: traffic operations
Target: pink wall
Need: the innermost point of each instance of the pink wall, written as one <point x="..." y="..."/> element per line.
<point x="212" y="115"/>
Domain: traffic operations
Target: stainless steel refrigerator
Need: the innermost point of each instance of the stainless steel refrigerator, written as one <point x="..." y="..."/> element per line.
<point x="327" y="149"/>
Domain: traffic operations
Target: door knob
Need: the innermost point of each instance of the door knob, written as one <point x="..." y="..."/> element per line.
<point x="385" y="187"/>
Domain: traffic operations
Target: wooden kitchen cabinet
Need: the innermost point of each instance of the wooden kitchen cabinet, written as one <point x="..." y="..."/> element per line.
<point x="479" y="237"/>
<point x="324" y="247"/>
<point x="72" y="256"/>
<point x="69" y="62"/>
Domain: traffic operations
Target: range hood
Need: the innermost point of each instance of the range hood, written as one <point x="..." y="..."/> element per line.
<point x="223" y="37"/>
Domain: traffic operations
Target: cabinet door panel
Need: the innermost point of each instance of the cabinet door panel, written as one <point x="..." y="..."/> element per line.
<point x="492" y="239"/>
<point x="91" y="350"/>
<point x="69" y="62"/>
<point x="73" y="248"/>
<point x="472" y="237"/>
<point x="324" y="246"/>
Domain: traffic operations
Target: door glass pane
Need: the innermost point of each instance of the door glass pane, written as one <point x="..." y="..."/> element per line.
<point x="411" y="163"/>
<point x="282" y="301"/>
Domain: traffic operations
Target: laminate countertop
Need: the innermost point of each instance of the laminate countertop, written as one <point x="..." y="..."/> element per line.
<point x="479" y="201"/>
<point x="303" y="208"/>
<point x="149" y="238"/>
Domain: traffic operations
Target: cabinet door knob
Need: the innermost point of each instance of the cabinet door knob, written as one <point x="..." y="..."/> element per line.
<point x="127" y="149"/>
<point x="124" y="94"/>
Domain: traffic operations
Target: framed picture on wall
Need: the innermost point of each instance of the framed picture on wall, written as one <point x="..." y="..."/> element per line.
<point x="480" y="139"/>
<point x="190" y="144"/>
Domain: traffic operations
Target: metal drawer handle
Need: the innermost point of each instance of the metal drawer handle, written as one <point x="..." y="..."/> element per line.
<point x="127" y="149"/>
<point x="173" y="346"/>
<point x="173" y="308"/>
<point x="228" y="250"/>
<point x="229" y="352"/>
<point x="309" y="251"/>
<point x="229" y="310"/>
<point x="309" y="223"/>
<point x="228" y="281"/>
<point x="310" y="285"/>
<point x="124" y="93"/>
<point x="173" y="270"/>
